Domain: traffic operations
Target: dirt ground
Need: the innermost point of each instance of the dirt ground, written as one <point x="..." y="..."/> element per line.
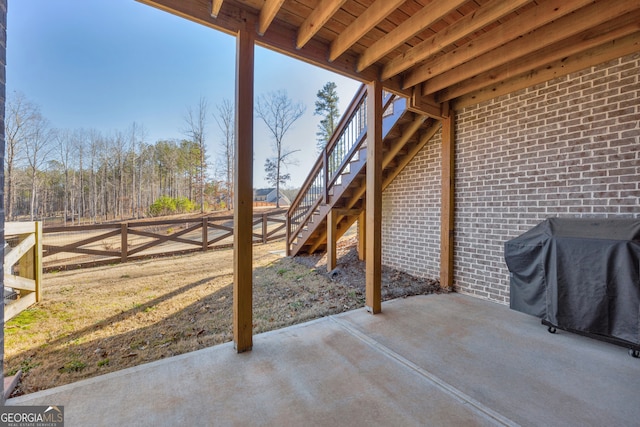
<point x="103" y="319"/>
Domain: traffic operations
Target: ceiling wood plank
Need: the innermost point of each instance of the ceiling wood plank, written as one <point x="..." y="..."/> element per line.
<point x="556" y="31"/>
<point x="375" y="13"/>
<point x="507" y="31"/>
<point x="316" y="20"/>
<point x="413" y="25"/>
<point x="215" y="7"/>
<point x="484" y="16"/>
<point x="596" y="36"/>
<point x="585" y="59"/>
<point x="267" y="13"/>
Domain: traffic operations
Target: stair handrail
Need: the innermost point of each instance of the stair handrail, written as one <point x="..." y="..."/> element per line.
<point x="315" y="186"/>
<point x="341" y="147"/>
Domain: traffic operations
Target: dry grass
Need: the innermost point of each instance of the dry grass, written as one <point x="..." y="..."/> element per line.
<point x="104" y="319"/>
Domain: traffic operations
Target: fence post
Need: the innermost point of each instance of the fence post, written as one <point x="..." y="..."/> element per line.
<point x="264" y="228"/>
<point x="205" y="233"/>
<point x="37" y="248"/>
<point x="123" y="242"/>
<point x="30" y="264"/>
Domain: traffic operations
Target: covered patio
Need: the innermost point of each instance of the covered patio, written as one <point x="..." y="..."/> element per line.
<point x="447" y="359"/>
<point x="442" y="56"/>
<point x="434" y="360"/>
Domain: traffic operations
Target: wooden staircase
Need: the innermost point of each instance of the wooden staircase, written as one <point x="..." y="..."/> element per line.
<point x="337" y="183"/>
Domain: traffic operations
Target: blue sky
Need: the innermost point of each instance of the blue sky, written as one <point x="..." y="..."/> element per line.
<point x="104" y="64"/>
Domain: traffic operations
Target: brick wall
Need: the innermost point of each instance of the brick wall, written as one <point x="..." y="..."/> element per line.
<point x="411" y="215"/>
<point x="568" y="147"/>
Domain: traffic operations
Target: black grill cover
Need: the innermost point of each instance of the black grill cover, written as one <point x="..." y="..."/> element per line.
<point x="580" y="274"/>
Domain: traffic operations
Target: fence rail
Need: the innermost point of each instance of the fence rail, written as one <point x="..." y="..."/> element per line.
<point x="80" y="246"/>
<point x="22" y="266"/>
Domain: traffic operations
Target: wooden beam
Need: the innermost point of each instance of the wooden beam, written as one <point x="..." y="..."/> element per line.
<point x="348" y="212"/>
<point x="447" y="203"/>
<point x="428" y="15"/>
<point x="594" y="37"/>
<point x="332" y="237"/>
<point x="371" y="17"/>
<point x="460" y="29"/>
<point x="373" y="274"/>
<point x="362" y="235"/>
<point x="243" y="195"/>
<point x="215" y="7"/>
<point x="511" y="29"/>
<point x="556" y="31"/>
<point x="426" y="105"/>
<point x="598" y="55"/>
<point x="267" y="14"/>
<point x="316" y="20"/>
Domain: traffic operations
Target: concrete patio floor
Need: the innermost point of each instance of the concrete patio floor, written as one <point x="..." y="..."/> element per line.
<point x="438" y="360"/>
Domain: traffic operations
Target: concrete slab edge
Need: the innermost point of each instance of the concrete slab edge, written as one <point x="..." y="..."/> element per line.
<point x="443" y="385"/>
<point x="10" y="383"/>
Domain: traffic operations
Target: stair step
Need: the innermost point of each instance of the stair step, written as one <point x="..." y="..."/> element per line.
<point x="351" y="181"/>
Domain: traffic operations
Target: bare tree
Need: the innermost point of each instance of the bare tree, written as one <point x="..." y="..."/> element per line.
<point x="95" y="143"/>
<point x="226" y="122"/>
<point x="64" y="149"/>
<point x="136" y="149"/>
<point x="196" y="121"/>
<point x="21" y="118"/>
<point x="279" y="113"/>
<point x="80" y="142"/>
<point x="37" y="149"/>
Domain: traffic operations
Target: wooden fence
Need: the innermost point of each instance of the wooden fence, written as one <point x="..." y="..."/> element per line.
<point x="99" y="244"/>
<point x="22" y="265"/>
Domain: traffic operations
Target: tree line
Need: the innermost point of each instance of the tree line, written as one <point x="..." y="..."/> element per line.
<point x="88" y="176"/>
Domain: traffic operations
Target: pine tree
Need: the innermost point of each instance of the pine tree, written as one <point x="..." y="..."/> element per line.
<point x="327" y="107"/>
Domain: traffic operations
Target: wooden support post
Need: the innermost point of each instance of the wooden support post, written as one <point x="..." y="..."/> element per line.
<point x="373" y="297"/>
<point x="243" y="197"/>
<point x="205" y="233"/>
<point x="447" y="210"/>
<point x="362" y="235"/>
<point x="123" y="242"/>
<point x="332" y="237"/>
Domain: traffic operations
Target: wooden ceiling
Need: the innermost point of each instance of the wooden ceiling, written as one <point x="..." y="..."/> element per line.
<point x="433" y="51"/>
